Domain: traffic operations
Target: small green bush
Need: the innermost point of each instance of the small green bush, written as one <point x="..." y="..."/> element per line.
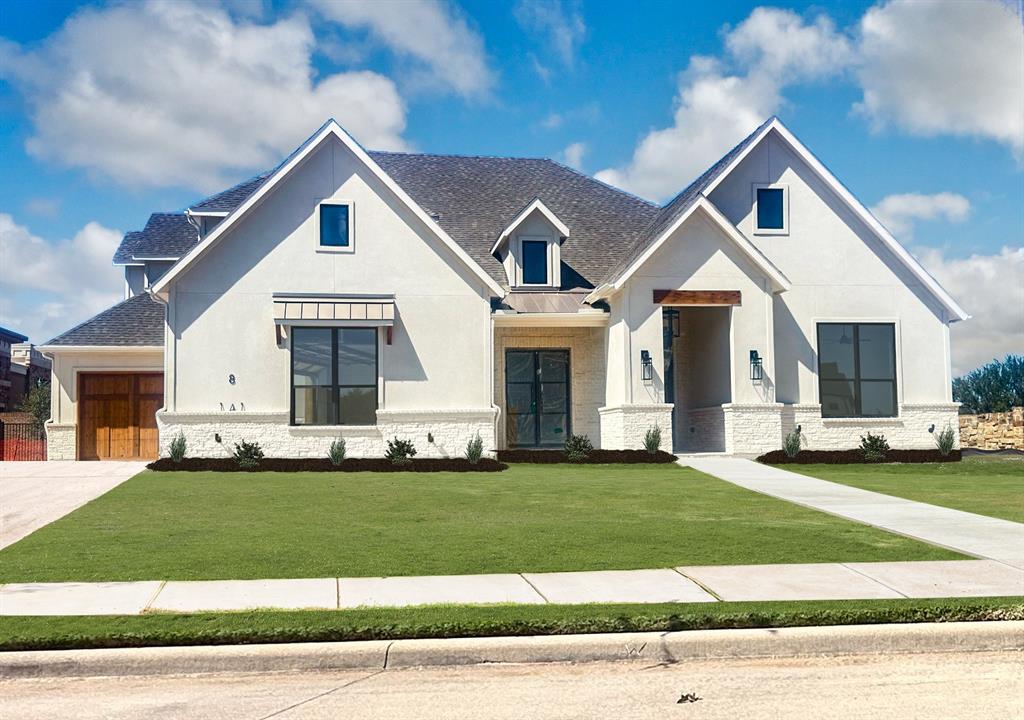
<point x="337" y="451"/>
<point x="578" y="448"/>
<point x="791" y="445"/>
<point x="400" y="452"/>
<point x="874" y="447"/>
<point x="178" y="447"/>
<point x="652" y="440"/>
<point x="946" y="440"/>
<point x="475" y="449"/>
<point x="248" y="454"/>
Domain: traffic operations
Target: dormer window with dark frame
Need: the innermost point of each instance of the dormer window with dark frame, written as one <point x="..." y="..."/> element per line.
<point x="535" y="262"/>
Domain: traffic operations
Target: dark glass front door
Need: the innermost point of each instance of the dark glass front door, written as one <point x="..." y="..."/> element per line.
<point x="537" y="397"/>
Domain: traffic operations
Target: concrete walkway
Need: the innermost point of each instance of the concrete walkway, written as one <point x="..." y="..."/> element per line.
<point x="819" y="581"/>
<point x="964" y="532"/>
<point x="34" y="494"/>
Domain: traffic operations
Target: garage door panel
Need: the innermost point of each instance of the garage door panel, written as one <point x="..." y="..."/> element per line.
<point x="117" y="420"/>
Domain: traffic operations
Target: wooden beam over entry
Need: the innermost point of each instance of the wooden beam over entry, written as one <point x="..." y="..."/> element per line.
<point x="697" y="297"/>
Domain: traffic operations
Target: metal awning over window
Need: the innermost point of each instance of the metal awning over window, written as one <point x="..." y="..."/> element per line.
<point x="334" y="310"/>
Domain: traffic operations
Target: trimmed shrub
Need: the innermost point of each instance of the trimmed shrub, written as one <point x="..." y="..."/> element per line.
<point x="791" y="445"/>
<point x="945" y="441"/>
<point x="248" y="455"/>
<point x="652" y="440"/>
<point x="578" y="448"/>
<point x="874" y="447"/>
<point x="178" y="447"/>
<point x="400" y="452"/>
<point x="475" y="449"/>
<point x="337" y="452"/>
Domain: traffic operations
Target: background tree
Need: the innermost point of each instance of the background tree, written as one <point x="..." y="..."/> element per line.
<point x="995" y="387"/>
<point x="37" y="403"/>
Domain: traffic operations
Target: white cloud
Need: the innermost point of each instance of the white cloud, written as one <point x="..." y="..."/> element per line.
<point x="989" y="287"/>
<point x="716" y="108"/>
<point x="559" y="24"/>
<point x="898" y="212"/>
<point x="573" y="155"/>
<point x="56" y="284"/>
<point x="178" y="93"/>
<point x="945" y="68"/>
<point x="434" y="34"/>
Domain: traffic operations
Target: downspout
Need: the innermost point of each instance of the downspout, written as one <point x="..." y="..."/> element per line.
<point x="490" y="373"/>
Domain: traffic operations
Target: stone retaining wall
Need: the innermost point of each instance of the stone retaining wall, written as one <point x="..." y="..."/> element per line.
<point x="993" y="431"/>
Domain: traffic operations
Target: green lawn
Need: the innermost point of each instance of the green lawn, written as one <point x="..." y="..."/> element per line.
<point x="985" y="485"/>
<point x="190" y="526"/>
<point x="444" y="621"/>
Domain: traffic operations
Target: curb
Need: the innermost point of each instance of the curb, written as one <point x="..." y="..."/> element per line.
<point x="647" y="647"/>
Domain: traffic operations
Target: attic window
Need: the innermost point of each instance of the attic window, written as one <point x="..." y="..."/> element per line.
<point x="535" y="262"/>
<point x="771" y="210"/>
<point x="335" y="225"/>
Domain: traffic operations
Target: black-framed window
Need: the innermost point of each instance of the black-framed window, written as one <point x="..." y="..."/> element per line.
<point x="334" y="376"/>
<point x="535" y="262"/>
<point x="771" y="208"/>
<point x="335" y="225"/>
<point x="857" y="369"/>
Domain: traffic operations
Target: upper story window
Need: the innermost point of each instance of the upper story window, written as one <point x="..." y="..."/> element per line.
<point x="771" y="209"/>
<point x="335" y="221"/>
<point x="857" y="369"/>
<point x="334" y="376"/>
<point x="535" y="262"/>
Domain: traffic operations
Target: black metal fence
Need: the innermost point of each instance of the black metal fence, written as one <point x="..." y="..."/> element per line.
<point x="22" y="441"/>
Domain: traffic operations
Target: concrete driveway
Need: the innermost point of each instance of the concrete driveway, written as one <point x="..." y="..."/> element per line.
<point x="33" y="494"/>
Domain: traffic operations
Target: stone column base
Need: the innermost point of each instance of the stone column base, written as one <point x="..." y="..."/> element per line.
<point x="753" y="428"/>
<point x="61" y="441"/>
<point x="623" y="426"/>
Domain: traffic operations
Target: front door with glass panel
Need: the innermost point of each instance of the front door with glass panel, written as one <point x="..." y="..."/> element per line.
<point x="537" y="397"/>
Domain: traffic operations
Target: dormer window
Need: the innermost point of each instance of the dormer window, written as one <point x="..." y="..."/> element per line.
<point x="530" y="247"/>
<point x="535" y="261"/>
<point x="771" y="209"/>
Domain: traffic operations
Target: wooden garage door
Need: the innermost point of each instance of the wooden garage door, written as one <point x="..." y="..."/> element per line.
<point x="117" y="415"/>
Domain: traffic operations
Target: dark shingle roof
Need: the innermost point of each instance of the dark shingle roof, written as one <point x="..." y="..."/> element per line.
<point x="229" y="199"/>
<point x="474" y="198"/>
<point x="13" y="336"/>
<point x="165" y="235"/>
<point x="136" y="321"/>
<point x="678" y="205"/>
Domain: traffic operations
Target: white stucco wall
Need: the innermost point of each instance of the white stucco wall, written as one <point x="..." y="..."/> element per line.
<point x="839" y="271"/>
<point x="221" y="313"/>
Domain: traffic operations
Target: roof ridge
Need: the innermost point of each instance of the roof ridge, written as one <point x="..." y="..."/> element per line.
<point x="619" y="190"/>
<point x="457" y="155"/>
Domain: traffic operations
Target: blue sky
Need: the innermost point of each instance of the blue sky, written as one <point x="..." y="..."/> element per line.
<point x="110" y="112"/>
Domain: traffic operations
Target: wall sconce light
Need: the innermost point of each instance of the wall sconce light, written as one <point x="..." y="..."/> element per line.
<point x="756" y="367"/>
<point x="646" y="365"/>
<point x="931" y="428"/>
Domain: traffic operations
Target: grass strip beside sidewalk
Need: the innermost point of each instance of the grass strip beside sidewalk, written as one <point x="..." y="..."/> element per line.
<point x="58" y="633"/>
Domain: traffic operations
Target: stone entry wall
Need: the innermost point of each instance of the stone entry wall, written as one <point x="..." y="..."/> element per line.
<point x="993" y="431"/>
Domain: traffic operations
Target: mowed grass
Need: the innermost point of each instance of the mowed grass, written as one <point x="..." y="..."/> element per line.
<point x="991" y="486"/>
<point x="191" y="526"/>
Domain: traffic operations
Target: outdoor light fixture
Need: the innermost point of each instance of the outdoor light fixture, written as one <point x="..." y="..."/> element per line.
<point x="756" y="368"/>
<point x="646" y="365"/>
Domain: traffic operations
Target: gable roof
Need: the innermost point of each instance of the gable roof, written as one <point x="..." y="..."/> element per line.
<point x="329" y="129"/>
<point x="707" y="182"/>
<point x="138" y="321"/>
<point x="166" y="235"/>
<point x="228" y="200"/>
<point x="538" y="206"/>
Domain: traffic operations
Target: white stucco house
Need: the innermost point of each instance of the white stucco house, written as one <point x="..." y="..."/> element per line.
<point x="367" y="295"/>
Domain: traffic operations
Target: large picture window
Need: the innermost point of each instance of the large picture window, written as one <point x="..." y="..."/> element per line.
<point x="334" y="376"/>
<point x="857" y="369"/>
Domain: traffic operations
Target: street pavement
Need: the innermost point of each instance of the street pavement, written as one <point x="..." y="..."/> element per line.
<point x="950" y="685"/>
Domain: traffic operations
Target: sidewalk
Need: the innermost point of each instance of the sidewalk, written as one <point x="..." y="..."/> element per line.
<point x="965" y="532"/>
<point x="818" y="581"/>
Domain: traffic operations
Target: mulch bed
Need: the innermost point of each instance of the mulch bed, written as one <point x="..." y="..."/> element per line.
<point x="596" y="457"/>
<point x="325" y="465"/>
<point x="846" y="457"/>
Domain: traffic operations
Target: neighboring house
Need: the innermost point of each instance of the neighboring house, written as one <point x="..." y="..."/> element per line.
<point x="368" y="295"/>
<point x="21" y="367"/>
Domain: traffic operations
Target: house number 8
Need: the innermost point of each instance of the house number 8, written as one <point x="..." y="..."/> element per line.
<point x="231" y="379"/>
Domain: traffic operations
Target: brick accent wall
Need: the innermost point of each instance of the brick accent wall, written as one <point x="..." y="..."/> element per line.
<point x="993" y="431"/>
<point x="586" y="367"/>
